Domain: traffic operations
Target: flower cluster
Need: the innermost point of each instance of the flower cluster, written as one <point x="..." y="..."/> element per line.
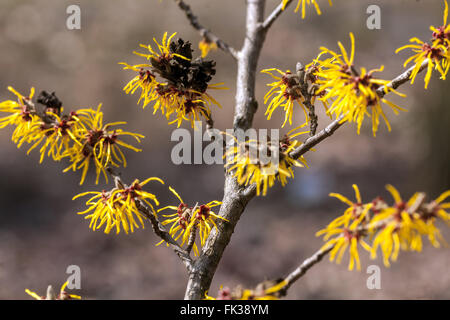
<point x="263" y="162"/>
<point x="436" y="53"/>
<point x="354" y="94"/>
<point x="63" y="295"/>
<point x="100" y="144"/>
<point x="302" y="4"/>
<point x="119" y="207"/>
<point x="289" y="88"/>
<point x="173" y="81"/>
<point x="284" y="93"/>
<point x="79" y="136"/>
<point x="391" y="228"/>
<point x="186" y="221"/>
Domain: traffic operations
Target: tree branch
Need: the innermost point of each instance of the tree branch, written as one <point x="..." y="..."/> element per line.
<point x="274" y="15"/>
<point x="193" y="19"/>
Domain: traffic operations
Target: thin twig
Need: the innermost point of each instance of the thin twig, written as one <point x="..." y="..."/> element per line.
<point x="317" y="138"/>
<point x="274" y="15"/>
<point x="402" y="78"/>
<point x="193" y="19"/>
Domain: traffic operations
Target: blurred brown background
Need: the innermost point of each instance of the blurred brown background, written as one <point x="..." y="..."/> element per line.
<point x="41" y="234"/>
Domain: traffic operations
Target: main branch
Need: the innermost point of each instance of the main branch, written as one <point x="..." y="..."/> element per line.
<point x="235" y="199"/>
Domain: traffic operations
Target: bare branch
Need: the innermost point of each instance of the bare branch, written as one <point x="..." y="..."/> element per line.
<point x="193" y="19"/>
<point x="304" y="267"/>
<point x="193" y="234"/>
<point x="402" y="78"/>
<point x="274" y="15"/>
<point x="158" y="228"/>
<point x="236" y="197"/>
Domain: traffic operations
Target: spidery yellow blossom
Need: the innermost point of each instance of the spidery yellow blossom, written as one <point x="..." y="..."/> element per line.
<point x="284" y="93"/>
<point x="345" y="231"/>
<point x="101" y="144"/>
<point x="390" y="228"/>
<point x="268" y="290"/>
<point x="245" y="159"/>
<point x="205" y="46"/>
<point x="436" y="54"/>
<point x="353" y="94"/>
<point x="80" y="136"/>
<point x="119" y="207"/>
<point x="173" y="81"/>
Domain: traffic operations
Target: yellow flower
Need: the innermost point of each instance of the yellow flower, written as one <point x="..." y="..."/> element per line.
<point x="100" y="143"/>
<point x="187" y="220"/>
<point x="176" y="84"/>
<point x="206" y="46"/>
<point x="21" y="114"/>
<point x="390" y="228"/>
<point x="441" y="35"/>
<point x="79" y="136"/>
<point x="187" y="105"/>
<point x="57" y="136"/>
<point x="284" y="93"/>
<point x="346" y="231"/>
<point x="303" y="3"/>
<point x="439" y="206"/>
<point x="354" y="211"/>
<point x="49" y="128"/>
<point x="119" y="207"/>
<point x="249" y="167"/>
<point x="426" y="222"/>
<point x="63" y="295"/>
<point x="354" y="94"/>
<point x="437" y="53"/>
